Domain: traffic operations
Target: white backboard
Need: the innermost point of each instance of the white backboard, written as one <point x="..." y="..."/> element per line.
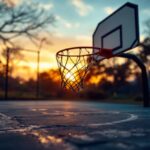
<point x="119" y="31"/>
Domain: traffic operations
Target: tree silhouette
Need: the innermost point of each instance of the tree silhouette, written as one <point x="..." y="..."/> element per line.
<point x="145" y="45"/>
<point x="49" y="83"/>
<point x="22" y="21"/>
<point x="145" y="53"/>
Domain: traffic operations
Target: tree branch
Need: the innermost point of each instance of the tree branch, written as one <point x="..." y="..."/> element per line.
<point x="23" y="21"/>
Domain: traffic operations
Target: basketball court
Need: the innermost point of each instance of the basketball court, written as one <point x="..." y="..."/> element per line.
<point x="73" y="125"/>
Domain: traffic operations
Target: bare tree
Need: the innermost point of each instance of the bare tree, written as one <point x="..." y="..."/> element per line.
<point x="22" y="20"/>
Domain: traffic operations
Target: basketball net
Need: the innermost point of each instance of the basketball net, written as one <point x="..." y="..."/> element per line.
<point x="74" y="64"/>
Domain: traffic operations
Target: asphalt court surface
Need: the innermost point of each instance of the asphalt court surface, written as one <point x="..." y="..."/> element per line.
<point x="68" y="125"/>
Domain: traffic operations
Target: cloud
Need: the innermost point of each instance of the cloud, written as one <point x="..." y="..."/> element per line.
<point x="68" y="41"/>
<point x="146" y="11"/>
<point x="81" y="7"/>
<point x="46" y="6"/>
<point x="58" y="34"/>
<point x="66" y="23"/>
<point x="11" y="3"/>
<point x="108" y="10"/>
<point x="83" y="38"/>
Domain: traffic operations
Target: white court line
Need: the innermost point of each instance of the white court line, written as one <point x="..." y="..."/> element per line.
<point x="131" y="118"/>
<point x="6" y="119"/>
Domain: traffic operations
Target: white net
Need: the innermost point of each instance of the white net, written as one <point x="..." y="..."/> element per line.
<point x="73" y="64"/>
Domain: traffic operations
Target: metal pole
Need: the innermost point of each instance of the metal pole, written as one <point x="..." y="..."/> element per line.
<point x="6" y="73"/>
<point x="38" y="67"/>
<point x="145" y="84"/>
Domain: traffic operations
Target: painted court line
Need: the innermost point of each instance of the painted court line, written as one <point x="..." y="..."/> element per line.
<point x="132" y="117"/>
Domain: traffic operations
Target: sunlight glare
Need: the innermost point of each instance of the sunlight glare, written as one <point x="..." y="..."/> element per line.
<point x="70" y="76"/>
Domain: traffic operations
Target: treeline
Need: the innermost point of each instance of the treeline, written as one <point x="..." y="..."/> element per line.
<point x="113" y="82"/>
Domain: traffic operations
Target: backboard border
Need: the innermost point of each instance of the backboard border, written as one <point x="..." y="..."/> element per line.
<point x="120" y="34"/>
<point x="135" y="7"/>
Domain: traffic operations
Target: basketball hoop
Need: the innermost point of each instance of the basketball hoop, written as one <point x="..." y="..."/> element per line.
<point x="75" y="62"/>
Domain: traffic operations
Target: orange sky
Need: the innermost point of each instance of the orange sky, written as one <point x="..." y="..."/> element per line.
<point x="26" y="67"/>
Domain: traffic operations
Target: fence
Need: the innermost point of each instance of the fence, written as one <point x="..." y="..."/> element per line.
<point x="19" y="72"/>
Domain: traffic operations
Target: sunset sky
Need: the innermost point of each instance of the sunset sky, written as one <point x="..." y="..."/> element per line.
<point x="76" y="21"/>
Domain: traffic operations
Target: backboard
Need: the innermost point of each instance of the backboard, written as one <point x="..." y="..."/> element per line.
<point x="118" y="32"/>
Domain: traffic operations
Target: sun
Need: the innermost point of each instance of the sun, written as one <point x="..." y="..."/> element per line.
<point x="70" y="76"/>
